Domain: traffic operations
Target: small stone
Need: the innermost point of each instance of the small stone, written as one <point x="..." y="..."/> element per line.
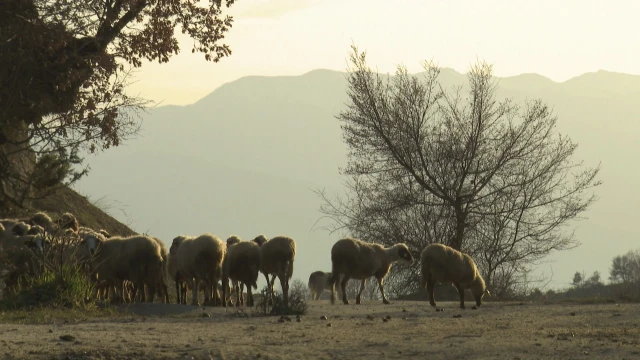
<point x="298" y="320"/>
<point x="385" y="319"/>
<point x="281" y="320"/>
<point x="404" y="310"/>
<point x="323" y="317"/>
<point x="388" y="317"/>
<point x="205" y="315"/>
<point x="457" y="316"/>
<point x="370" y="317"/>
<point x="67" y="337"/>
<point x="328" y="324"/>
<point x="439" y="309"/>
<point x="572" y="314"/>
<point x="50" y="331"/>
<point x="474" y="307"/>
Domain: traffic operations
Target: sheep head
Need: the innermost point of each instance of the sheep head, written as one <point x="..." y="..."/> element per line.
<point x="41" y="219"/>
<point x="36" y="243"/>
<point x="402" y="253"/>
<point x="260" y="240"/>
<point x="68" y="221"/>
<point x="92" y="241"/>
<point x="173" y="249"/>
<point x="35" y="230"/>
<point x="479" y="289"/>
<point x="20" y="229"/>
<point x="233" y="239"/>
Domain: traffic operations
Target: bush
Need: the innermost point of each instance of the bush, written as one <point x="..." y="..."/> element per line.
<point x="297" y="304"/>
<point x="49" y="280"/>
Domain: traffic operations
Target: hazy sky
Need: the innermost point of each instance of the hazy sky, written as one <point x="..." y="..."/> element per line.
<point x="557" y="39"/>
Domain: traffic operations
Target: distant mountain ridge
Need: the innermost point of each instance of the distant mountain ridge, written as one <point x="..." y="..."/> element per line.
<point x="244" y="159"/>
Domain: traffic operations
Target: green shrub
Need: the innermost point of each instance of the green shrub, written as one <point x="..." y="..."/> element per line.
<point x="297" y="304"/>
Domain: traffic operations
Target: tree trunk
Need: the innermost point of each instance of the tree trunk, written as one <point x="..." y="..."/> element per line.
<point x="17" y="163"/>
<point x="461" y="224"/>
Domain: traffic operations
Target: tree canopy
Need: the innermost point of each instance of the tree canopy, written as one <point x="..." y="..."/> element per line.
<point x="64" y="67"/>
<point x="427" y="164"/>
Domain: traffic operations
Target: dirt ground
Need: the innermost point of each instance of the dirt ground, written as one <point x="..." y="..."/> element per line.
<point x="414" y="330"/>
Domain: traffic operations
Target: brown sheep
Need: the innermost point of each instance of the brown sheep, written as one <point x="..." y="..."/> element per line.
<point x="200" y="259"/>
<point x="276" y="258"/>
<point x="357" y="259"/>
<point x="441" y="263"/>
<point x="241" y="265"/>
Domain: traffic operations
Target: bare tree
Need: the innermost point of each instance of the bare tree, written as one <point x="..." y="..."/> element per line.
<point x="428" y="165"/>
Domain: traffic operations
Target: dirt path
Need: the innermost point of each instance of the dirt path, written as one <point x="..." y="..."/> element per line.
<point x="496" y="331"/>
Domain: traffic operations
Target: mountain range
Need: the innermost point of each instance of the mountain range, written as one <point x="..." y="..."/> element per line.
<point x="246" y="158"/>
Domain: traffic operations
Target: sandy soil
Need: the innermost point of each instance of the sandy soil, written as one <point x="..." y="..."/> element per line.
<point x="414" y="330"/>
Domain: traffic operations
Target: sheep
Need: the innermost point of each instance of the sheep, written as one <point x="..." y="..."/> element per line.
<point x="136" y="258"/>
<point x="276" y="258"/>
<point x="19" y="251"/>
<point x="43" y="220"/>
<point x="241" y="265"/>
<point x="319" y="281"/>
<point x="162" y="276"/>
<point x="200" y="259"/>
<point x="357" y="259"/>
<point x="68" y="221"/>
<point x="237" y="287"/>
<point x="441" y="263"/>
<point x="14" y="227"/>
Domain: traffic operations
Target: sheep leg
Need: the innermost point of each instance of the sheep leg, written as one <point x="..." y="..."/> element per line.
<point x="384" y="297"/>
<point x="241" y="290"/>
<point x="177" y="291"/>
<point x="249" y="295"/>
<point x="269" y="299"/>
<point x="362" y="285"/>
<point x="284" y="283"/>
<point x="271" y="286"/>
<point x="430" y="286"/>
<point x="343" y="286"/>
<point x="461" y="292"/>
<point x="194" y="288"/>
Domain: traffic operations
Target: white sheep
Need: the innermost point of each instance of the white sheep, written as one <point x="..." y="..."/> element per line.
<point x="356" y="259"/>
<point x="276" y="258"/>
<point x="441" y="263"/>
<point x="135" y="258"/>
<point x="241" y="265"/>
<point x="200" y="259"/>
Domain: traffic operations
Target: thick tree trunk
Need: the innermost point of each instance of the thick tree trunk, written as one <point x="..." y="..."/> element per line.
<point x="17" y="163"/>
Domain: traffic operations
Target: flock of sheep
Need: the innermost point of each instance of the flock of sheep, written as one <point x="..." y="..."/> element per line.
<point x="138" y="267"/>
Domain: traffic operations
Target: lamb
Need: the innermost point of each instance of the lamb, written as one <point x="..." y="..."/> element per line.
<point x="276" y="258"/>
<point x="241" y="265"/>
<point x="200" y="259"/>
<point x="357" y="259"/>
<point x="441" y="263"/>
<point x="319" y="281"/>
<point x="136" y="258"/>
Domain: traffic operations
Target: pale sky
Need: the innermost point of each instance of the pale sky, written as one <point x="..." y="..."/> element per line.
<point x="557" y="39"/>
